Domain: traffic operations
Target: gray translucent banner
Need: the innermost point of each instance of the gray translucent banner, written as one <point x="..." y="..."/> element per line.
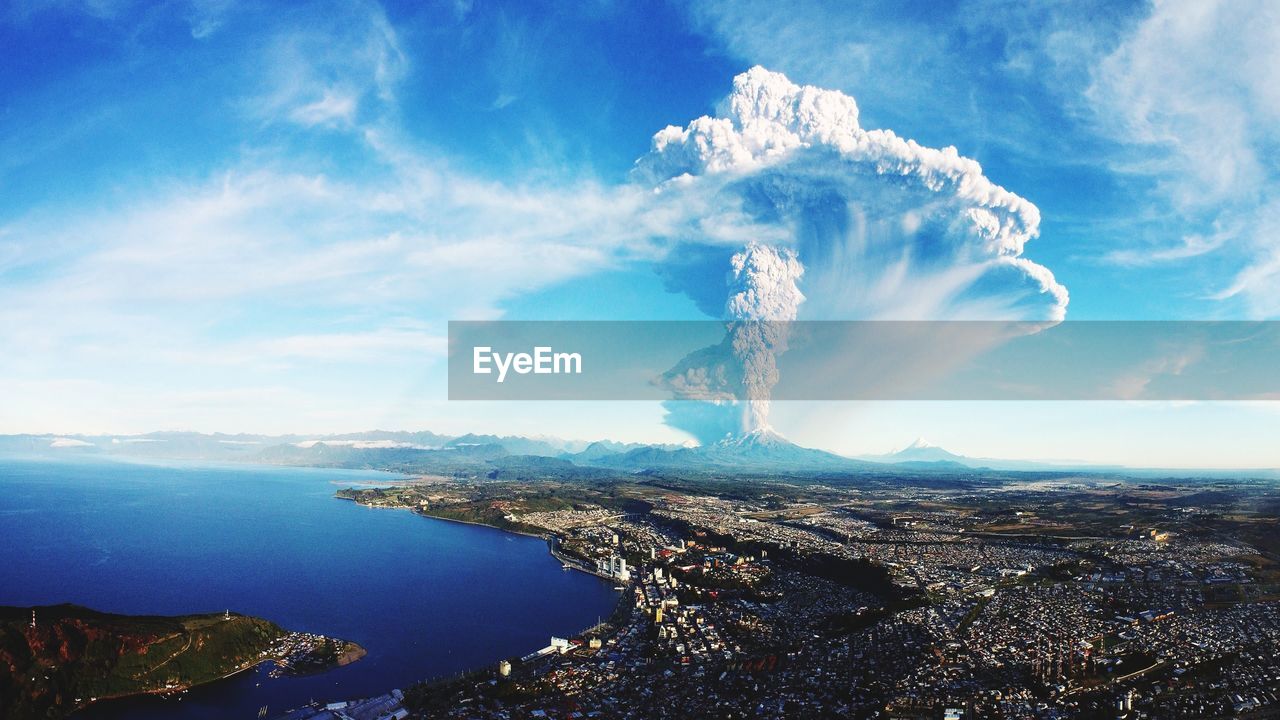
<point x="863" y="360"/>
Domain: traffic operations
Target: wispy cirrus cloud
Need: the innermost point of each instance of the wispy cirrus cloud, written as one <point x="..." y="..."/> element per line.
<point x="279" y="265"/>
<point x="1209" y="111"/>
<point x="331" y="73"/>
<point x="1190" y="246"/>
<point x="1213" y="104"/>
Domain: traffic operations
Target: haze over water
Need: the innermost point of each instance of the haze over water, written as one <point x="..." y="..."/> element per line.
<point x="424" y="597"/>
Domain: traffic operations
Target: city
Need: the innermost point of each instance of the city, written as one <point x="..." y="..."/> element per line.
<point x="794" y="600"/>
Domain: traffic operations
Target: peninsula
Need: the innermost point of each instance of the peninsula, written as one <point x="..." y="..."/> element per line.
<point x="61" y="658"/>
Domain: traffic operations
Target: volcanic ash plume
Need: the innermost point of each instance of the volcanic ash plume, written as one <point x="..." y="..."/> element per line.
<point x="722" y="391"/>
<point x="766" y="299"/>
<point x="886" y="228"/>
<point x="882" y="227"/>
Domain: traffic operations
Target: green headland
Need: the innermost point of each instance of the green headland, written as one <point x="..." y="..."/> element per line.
<point x="55" y="660"/>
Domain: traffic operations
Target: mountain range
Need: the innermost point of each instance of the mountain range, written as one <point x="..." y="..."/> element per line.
<point x="517" y="457"/>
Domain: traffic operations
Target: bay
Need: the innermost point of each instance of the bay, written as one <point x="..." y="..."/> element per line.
<point x="425" y="597"/>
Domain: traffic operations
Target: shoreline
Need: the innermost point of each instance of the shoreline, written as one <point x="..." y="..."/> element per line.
<point x="551" y="540"/>
<point x="419" y="513"/>
<point x="352" y="652"/>
<point x="476" y="523"/>
<point x="166" y="691"/>
<point x="549" y="537"/>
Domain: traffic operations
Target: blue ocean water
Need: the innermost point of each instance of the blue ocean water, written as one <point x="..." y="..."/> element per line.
<point x="424" y="597"/>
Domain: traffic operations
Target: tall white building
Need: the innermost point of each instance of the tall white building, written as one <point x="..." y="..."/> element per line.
<point x="614" y="566"/>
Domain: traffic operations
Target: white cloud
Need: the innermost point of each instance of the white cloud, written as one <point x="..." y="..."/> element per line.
<point x="1195" y="81"/>
<point x="335" y="106"/>
<point x="847" y="46"/>
<point x="871" y="225"/>
<point x="354" y="346"/>
<point x="884" y="226"/>
<point x="117" y="405"/>
<point x="327" y="75"/>
<point x="207" y="16"/>
<point x="1175" y="83"/>
<point x="1173" y="102"/>
<point x="281" y="296"/>
<point x="373" y="264"/>
<point x="1192" y="245"/>
<point x="1133" y="385"/>
<point x="1259" y="283"/>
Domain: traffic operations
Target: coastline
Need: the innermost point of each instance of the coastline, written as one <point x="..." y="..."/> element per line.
<point x="501" y="553"/>
<point x="99" y="652"/>
<point x="354" y="653"/>
<point x="420" y="513"/>
<point x="167" y="691"/>
<point x="551" y="538"/>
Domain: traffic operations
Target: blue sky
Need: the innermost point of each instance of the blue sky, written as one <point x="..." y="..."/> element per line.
<point x="218" y="215"/>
